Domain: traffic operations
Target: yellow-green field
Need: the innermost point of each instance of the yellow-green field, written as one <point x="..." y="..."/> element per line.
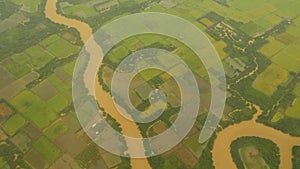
<point x="220" y="45"/>
<point x="278" y="116"/>
<point x="294" y="111"/>
<point x="13" y="124"/>
<point x="268" y="80"/>
<point x="48" y="150"/>
<point x="272" y="48"/>
<point x="288" y="58"/>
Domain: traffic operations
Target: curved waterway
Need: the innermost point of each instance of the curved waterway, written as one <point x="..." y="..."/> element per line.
<point x="129" y="128"/>
<point x="221" y="149"/>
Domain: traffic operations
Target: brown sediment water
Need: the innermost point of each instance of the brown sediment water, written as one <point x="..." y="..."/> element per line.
<point x="221" y="150"/>
<point x="129" y="128"/>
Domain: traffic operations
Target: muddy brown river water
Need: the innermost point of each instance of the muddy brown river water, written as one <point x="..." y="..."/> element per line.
<point x="221" y="149"/>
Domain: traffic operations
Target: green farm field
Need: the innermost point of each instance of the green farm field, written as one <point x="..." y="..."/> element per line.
<point x="48" y="150"/>
<point x="273" y="47"/>
<point x="287" y="58"/>
<point x="257" y="41"/>
<point x="268" y="81"/>
<point x="13" y="124"/>
<point x="34" y="108"/>
<point x="57" y="129"/>
<point x="294" y="110"/>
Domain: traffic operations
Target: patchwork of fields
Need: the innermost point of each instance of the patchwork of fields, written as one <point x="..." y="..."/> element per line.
<point x="258" y="42"/>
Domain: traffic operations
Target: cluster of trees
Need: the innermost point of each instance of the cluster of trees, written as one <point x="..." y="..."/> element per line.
<point x="7" y="8"/>
<point x="284" y="96"/>
<point x="237" y="104"/>
<point x="296" y="157"/>
<point x="49" y="68"/>
<point x="28" y="34"/>
<point x="222" y="2"/>
<point x="267" y="150"/>
<point x="12" y="155"/>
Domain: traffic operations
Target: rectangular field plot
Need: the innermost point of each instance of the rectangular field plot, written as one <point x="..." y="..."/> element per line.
<point x="194" y="146"/>
<point x="47" y="149"/>
<point x="294" y="31"/>
<point x="117" y="54"/>
<point x="220" y="45"/>
<point x="286" y="38"/>
<point x="64" y="94"/>
<point x="290" y="10"/>
<point x="5" y="111"/>
<point x="35" y="159"/>
<point x="5" y="77"/>
<point x="69" y="68"/>
<point x="133" y="44"/>
<point x="49" y="40"/>
<point x="45" y="90"/>
<point x="17" y="69"/>
<point x="288" y="58"/>
<point x="245" y="5"/>
<point x="297" y="90"/>
<point x="30" y="6"/>
<point x="268" y="81"/>
<point x="272" y="48"/>
<point x="111" y="160"/>
<point x="38" y="56"/>
<point x="294" y="110"/>
<point x="13" y="124"/>
<point x="21" y="58"/>
<point x="252" y="29"/>
<point x="80" y="10"/>
<point x="34" y="108"/>
<point x="57" y="129"/>
<point x="22" y="141"/>
<point x="61" y="48"/>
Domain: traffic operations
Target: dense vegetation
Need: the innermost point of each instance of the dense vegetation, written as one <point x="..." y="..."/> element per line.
<point x="12" y="155"/>
<point x="267" y="150"/>
<point x="296" y="157"/>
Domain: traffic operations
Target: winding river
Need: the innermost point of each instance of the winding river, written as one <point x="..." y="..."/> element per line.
<point x="221" y="149"/>
<point x="129" y="128"/>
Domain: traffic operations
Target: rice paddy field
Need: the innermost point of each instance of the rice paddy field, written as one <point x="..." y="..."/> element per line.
<point x="47" y="149"/>
<point x="268" y="81"/>
<point x="30" y="6"/>
<point x="272" y="48"/>
<point x="57" y="129"/>
<point x="287" y="58"/>
<point x="36" y="112"/>
<point x="294" y="110"/>
<point x="13" y="124"/>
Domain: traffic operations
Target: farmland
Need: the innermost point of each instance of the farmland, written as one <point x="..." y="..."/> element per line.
<point x="56" y="130"/>
<point x="273" y="47"/>
<point x="28" y="5"/>
<point x="33" y="108"/>
<point x="287" y="58"/>
<point x="258" y="42"/>
<point x="294" y="110"/>
<point x="45" y="147"/>
<point x="268" y="81"/>
<point x="13" y="124"/>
